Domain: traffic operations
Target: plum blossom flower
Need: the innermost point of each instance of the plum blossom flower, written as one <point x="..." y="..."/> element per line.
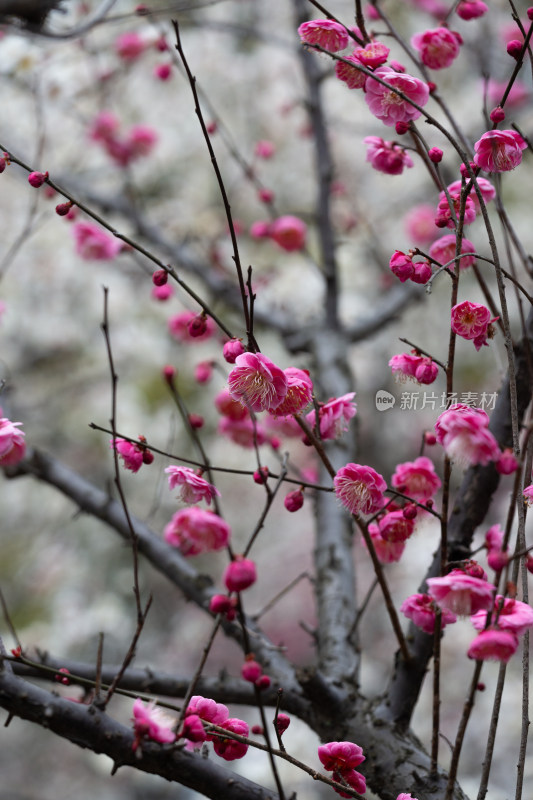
<point x="421" y="609"/>
<point x="417" y="479"/>
<point x="472" y="321"/>
<point x="195" y="530"/>
<point x="12" y="445"/>
<point x="192" y="487"/>
<point x="444" y="218"/>
<point x="334" y="416"/>
<point x="324" y="32"/>
<point x="443" y="251"/>
<point x="387" y="157"/>
<point x="507" y="463"/>
<point x="461" y="593"/>
<point x="193" y="729"/>
<point x="404" y="796"/>
<point x="231" y="749"/>
<point x="104" y="126"/>
<point x="288" y="232"/>
<point x="132" y="454"/>
<point x="395" y="527"/>
<point x="232" y="349"/>
<point x="360" y="488"/>
<point x="387" y="105"/>
<point x="373" y="55"/>
<point x="438" y="47"/>
<point x="92" y="243"/>
<point x="401" y="264"/>
<point x="299" y="392"/>
<point x="421" y="369"/>
<point x="207" y="709"/>
<point x="244" y="432"/>
<point x="420" y="224"/>
<point x="463" y="432"/>
<point x="353" y="77"/>
<point x="493" y="644"/>
<point x="528" y="494"/>
<point x="341" y="758"/>
<point x="499" y="151"/>
<point x="264" y="149"/>
<point x="509" y="614"/>
<point x="386" y="551"/>
<point x="471" y="9"/>
<point x="257" y="382"/>
<point x="488" y="192"/>
<point x="150" y="722"/>
<point x="226" y="405"/>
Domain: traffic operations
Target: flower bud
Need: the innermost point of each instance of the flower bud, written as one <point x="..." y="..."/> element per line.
<point x="261" y="475"/>
<point x="282" y="722"/>
<point x="197" y="326"/>
<point x="232" y="349"/>
<point x="37" y="179"/>
<point x="251" y="671"/>
<point x="514" y="48"/>
<point x="63" y="208"/>
<point x="148" y="457"/>
<point x="240" y="574"/>
<point x="410" y="511"/>
<point x="159" y="277"/>
<point x="497" y="114"/>
<point x="196" y="421"/>
<point x="294" y="500"/>
<point x="401" y="127"/>
<point x="435" y="154"/>
<point x="263" y="682"/>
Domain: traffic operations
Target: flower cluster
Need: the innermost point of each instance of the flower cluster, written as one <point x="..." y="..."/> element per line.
<point x="421" y="369"/>
<point x="341" y="758"/>
<point x="288" y="232"/>
<point x="463" y="432"/>
<point x="402" y="265"/>
<point x="94" y="244"/>
<point x="387" y="157"/>
<point x="137" y="143"/>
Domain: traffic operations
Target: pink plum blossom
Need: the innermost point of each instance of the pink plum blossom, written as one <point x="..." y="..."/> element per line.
<point x="387" y="157"/>
<point x="324" y="32"/>
<point x="257" y="382"/>
<point x="243" y="432"/>
<point x="12" y="445"/>
<point x="226" y="405"/>
<point x="230" y="749"/>
<point x="104" y="127"/>
<point x="150" y="722"/>
<point x="92" y="243"/>
<point x="401" y="264"/>
<point x="338" y="756"/>
<point x="131" y="453"/>
<point x="353" y="77"/>
<point x="420" y="224"/>
<point x="443" y="251"/>
<point x="334" y="416"/>
<point x="386" y="551"/>
<point x="179" y="327"/>
<point x="487" y="190"/>
<point x="472" y="321"/>
<point x="240" y="574"/>
<point x="499" y="151"/>
<point x="129" y="46"/>
<point x="192" y="487"/>
<point x="507" y="463"/>
<point x="395" y="527"/>
<point x="294" y="500"/>
<point x="360" y="488"/>
<point x="463" y="432"/>
<point x="471" y="9"/>
<point x="421" y="609"/>
<point x="264" y="149"/>
<point x="404" y="796"/>
<point x="288" y="232"/>
<point x="513" y="616"/>
<point x="372" y="55"/>
<point x="444" y="217"/>
<point x="493" y="644"/>
<point x="387" y="105"/>
<point x="299" y="392"/>
<point x="438" y="47"/>
<point x="193" y="729"/>
<point x="417" y="479"/>
<point x="528" y="494"/>
<point x="195" y="530"/>
<point x="461" y="593"/>
<point x="141" y="140"/>
<point x="406" y="366"/>
<point x="207" y="709"/>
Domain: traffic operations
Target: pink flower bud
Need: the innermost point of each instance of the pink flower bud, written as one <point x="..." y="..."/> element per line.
<point x="514" y="48"/>
<point x="430" y="438"/>
<point x="220" y="604"/>
<point x="3" y="164"/>
<point x="232" y="349"/>
<point x="257" y="730"/>
<point x="401" y="127"/>
<point x="263" y="682"/>
<point x="497" y="114"/>
<point x="294" y="500"/>
<point x="507" y="463"/>
<point x="410" y="511"/>
<point x="163" y="72"/>
<point x="193" y="729"/>
<point x="169" y="373"/>
<point x="497" y="560"/>
<point x="37" y="179"/>
<point x="162" y="293"/>
<point x="421" y="272"/>
<point x="161" y="44"/>
<point x="282" y="723"/>
<point x="401" y="265"/>
<point x="203" y="371"/>
<point x="265" y="195"/>
<point x="159" y="277"/>
<point x="197" y="326"/>
<point x="260" y="230"/>
<point x="435" y="154"/>
<point x="196" y="421"/>
<point x="60" y="678"/>
<point x="240" y="574"/>
<point x="63" y="208"/>
<point x="530" y="13"/>
<point x="261" y="475"/>
<point x="251" y="671"/>
<point x="211" y="128"/>
<point x="148" y="457"/>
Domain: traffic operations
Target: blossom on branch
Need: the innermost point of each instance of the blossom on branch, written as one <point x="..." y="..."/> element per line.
<point x="499" y="151"/>
<point x="417" y="479"/>
<point x="231" y="749"/>
<point x="438" y="47"/>
<point x="461" y="593"/>
<point x="93" y="244"/>
<point x="387" y="551"/>
<point x="472" y="321"/>
<point x="257" y="382"/>
<point x="324" y="32"/>
<point x="360" y="488"/>
<point x="196" y="530"/>
<point x="132" y="454"/>
<point x="443" y="250"/>
<point x="150" y="722"/>
<point x="334" y="416"/>
<point x="463" y="432"/>
<point x="387" y="157"/>
<point x="12" y="445"/>
<point x="493" y="644"/>
<point x="299" y="392"/>
<point x="341" y="758"/>
<point x="387" y="105"/>
<point x="353" y="77"/>
<point x="508" y="614"/>
<point x="421" y="609"/>
<point x="192" y="487"/>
